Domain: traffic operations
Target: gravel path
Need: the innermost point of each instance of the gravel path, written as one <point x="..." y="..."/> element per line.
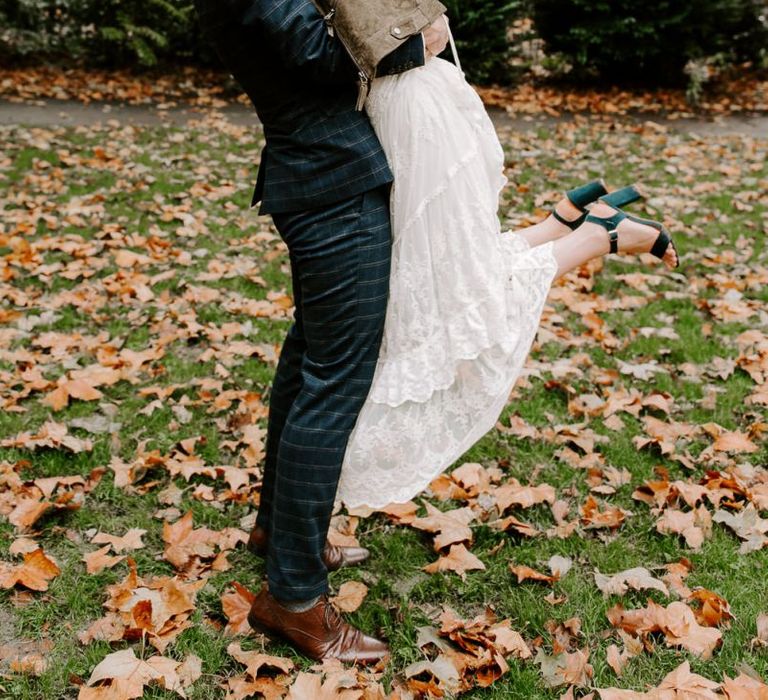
<point x="62" y="113"/>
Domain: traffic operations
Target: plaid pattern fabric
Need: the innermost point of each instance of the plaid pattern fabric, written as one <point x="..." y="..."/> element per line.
<point x="340" y="259"/>
<point x="303" y="84"/>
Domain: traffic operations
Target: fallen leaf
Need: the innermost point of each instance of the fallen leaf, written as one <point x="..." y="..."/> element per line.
<point x="458" y="559"/>
<point x="637" y="579"/>
<point x="35" y="573"/>
<point x="99" y="560"/>
<point x="236" y="605"/>
<point x="350" y="597"/>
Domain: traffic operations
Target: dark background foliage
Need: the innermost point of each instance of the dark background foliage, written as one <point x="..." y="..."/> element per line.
<point x="618" y="40"/>
<point x="480" y="28"/>
<point x="630" y="41"/>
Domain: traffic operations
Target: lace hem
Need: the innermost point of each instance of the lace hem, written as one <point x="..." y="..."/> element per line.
<point x="395" y="452"/>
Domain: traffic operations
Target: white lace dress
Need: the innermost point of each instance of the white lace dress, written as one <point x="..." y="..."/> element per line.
<point x="465" y="299"/>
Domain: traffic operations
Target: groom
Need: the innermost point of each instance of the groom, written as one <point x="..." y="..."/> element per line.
<point x="325" y="180"/>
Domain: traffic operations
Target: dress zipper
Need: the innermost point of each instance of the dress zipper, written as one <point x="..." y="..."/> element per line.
<point x="364" y="78"/>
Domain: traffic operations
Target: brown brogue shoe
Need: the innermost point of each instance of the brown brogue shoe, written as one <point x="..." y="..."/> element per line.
<point x="334" y="557"/>
<point x="319" y="632"/>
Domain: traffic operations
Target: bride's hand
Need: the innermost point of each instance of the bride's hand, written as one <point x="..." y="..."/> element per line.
<point x="436" y="37"/>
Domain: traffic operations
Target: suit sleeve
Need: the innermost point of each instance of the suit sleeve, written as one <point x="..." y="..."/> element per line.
<point x="296" y="32"/>
<point x="408" y="55"/>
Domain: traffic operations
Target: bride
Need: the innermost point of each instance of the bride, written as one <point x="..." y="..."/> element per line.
<point x="465" y="299"/>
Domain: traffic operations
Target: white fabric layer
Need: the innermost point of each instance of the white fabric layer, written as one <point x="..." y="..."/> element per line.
<point x="465" y="299"/>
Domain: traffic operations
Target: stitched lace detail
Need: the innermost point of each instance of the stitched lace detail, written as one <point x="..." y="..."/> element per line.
<point x="465" y="299"/>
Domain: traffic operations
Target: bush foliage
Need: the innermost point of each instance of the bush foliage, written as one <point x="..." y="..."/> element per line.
<point x="616" y="39"/>
<point x="480" y="28"/>
<point x="103" y="32"/>
<point x="627" y="40"/>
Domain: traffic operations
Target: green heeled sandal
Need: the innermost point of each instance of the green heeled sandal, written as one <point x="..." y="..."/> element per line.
<point x="611" y="225"/>
<point x="593" y="191"/>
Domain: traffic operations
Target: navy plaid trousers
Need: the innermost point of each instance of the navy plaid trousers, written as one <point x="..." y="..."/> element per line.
<point x="340" y="263"/>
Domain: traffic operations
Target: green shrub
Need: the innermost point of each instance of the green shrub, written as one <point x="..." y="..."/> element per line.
<point x="128" y="30"/>
<point x="30" y="27"/>
<point x="480" y="28"/>
<point x="631" y="41"/>
<point x="104" y="32"/>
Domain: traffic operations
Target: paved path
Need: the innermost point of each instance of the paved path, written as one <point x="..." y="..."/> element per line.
<point x="62" y="113"/>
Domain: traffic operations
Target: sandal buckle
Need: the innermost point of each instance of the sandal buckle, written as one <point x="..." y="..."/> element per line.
<point x="613" y="234"/>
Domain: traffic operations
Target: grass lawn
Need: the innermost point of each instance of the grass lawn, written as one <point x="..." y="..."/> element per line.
<point x="118" y="241"/>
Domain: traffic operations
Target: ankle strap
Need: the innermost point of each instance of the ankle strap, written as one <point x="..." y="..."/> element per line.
<point x="610" y="224"/>
<point x="586" y="194"/>
<point x="573" y="225"/>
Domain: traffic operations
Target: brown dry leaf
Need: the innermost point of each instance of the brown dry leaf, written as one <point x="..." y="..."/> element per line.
<point x="675" y="577"/>
<point x="694" y="526"/>
<point x="351" y="596"/>
<point x="509" y="641"/>
<point x="729" y="441"/>
<point x="51" y="434"/>
<point x="451" y="527"/>
<point x="513" y="493"/>
<point x="236" y="605"/>
<point x="131" y="540"/>
<point x="689" y="685"/>
<point x="744" y="687"/>
<point x="748" y="525"/>
<point x="133" y="674"/>
<point x="34" y="573"/>
<point x="518" y="526"/>
<point x="254" y="661"/>
<point x="245" y="688"/>
<point x="711" y="610"/>
<point x="428" y="679"/>
<point x="680" y="684"/>
<point x="157" y="608"/>
<point x="70" y="388"/>
<point x="565" y="668"/>
<point x="473" y="478"/>
<point x="458" y="559"/>
<point x="100" y="559"/>
<point x="565" y="635"/>
<point x="677" y="622"/>
<point x="477" y="655"/>
<point x="762" y="630"/>
<point x="526" y="573"/>
<point x="401" y="513"/>
<point x="194" y="551"/>
<point x="616" y="660"/>
<point x="190" y="670"/>
<point x="637" y="579"/>
<point x="22" y="546"/>
<point x="593" y="518"/>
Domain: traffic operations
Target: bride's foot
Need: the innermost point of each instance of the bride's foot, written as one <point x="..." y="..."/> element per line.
<point x="631" y="235"/>
<point x="571" y="211"/>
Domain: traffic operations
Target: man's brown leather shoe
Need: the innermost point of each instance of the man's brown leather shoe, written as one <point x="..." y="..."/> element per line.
<point x="319" y="632"/>
<point x="334" y="557"/>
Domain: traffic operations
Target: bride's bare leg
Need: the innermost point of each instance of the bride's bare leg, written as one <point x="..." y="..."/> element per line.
<point x="591" y="240"/>
<point x="550" y="229"/>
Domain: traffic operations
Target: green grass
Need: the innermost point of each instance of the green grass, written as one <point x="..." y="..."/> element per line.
<point x="159" y="167"/>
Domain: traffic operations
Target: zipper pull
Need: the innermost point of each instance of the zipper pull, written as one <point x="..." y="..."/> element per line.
<point x="365" y="85"/>
<point x="328" y="19"/>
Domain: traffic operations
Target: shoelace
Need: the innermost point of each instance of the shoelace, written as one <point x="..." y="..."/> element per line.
<point x="330" y="615"/>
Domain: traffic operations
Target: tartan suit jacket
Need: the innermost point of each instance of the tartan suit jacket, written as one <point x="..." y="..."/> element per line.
<point x="303" y="84"/>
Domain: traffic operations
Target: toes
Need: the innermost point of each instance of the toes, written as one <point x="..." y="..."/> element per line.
<point x="670" y="257"/>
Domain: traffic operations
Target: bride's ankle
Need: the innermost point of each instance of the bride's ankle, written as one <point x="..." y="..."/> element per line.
<point x="602" y="209"/>
<point x="568" y="210"/>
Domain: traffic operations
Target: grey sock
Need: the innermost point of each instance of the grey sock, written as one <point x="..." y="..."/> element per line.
<point x="299" y="605"/>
